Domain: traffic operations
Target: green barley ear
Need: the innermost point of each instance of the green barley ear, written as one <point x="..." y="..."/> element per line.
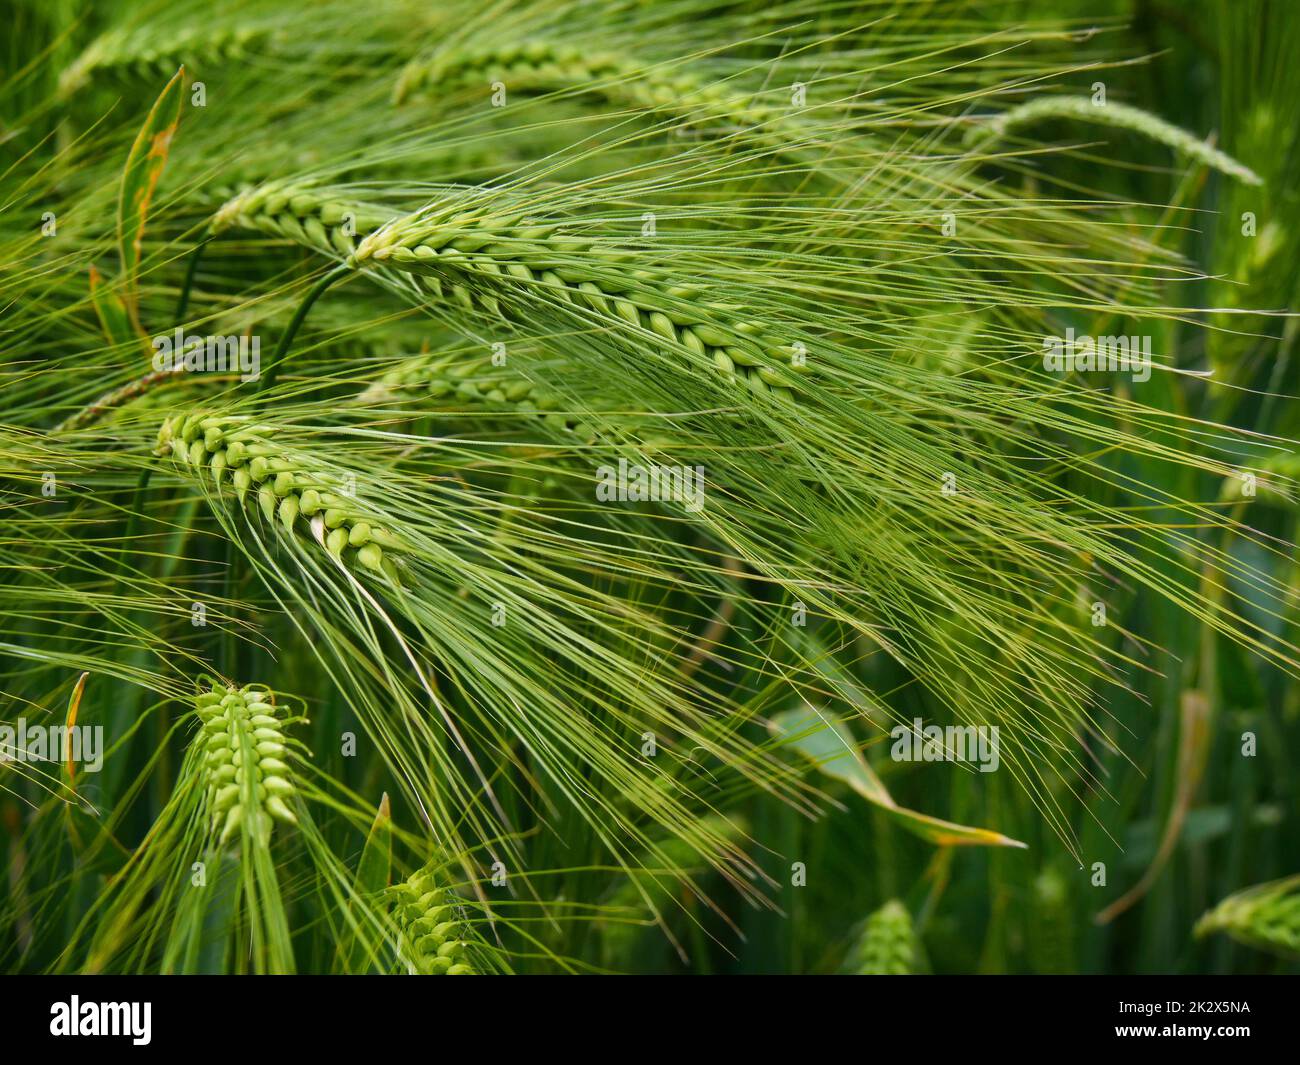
<point x="1116" y="115"/>
<point x="433" y="937"/>
<point x="1051" y="929"/>
<point x="249" y="782"/>
<point x="146" y="55"/>
<point x="888" y="945"/>
<point x="470" y="378"/>
<point x="537" y="67"/>
<point x="505" y="266"/>
<point x="302" y="213"/>
<point x="502" y="264"/>
<point x="473" y="383"/>
<point x="1266" y="916"/>
<point x="278" y="480"/>
<point x="203" y="892"/>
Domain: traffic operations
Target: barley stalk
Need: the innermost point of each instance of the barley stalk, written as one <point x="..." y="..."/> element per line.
<point x="1265" y="916"/>
<point x="1118" y="116"/>
<point x="248" y="780"/>
<point x="888" y="945"/>
<point x="118" y="397"/>
<point x="279" y="480"/>
<point x="432" y="937"/>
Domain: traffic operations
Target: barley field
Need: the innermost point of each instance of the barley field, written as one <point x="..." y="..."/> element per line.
<point x="649" y="486"/>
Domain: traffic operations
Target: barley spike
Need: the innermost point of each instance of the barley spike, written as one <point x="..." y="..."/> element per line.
<point x="277" y="479"/>
<point x="483" y="263"/>
<point x="888" y="945"/>
<point x="1117" y="115"/>
<point x="540" y="66"/>
<point x="301" y="213"/>
<point x="475" y="381"/>
<point x="1266" y="916"/>
<point x="480" y="263"/>
<point x="249" y="781"/>
<point x="142" y="55"/>
<point x="433" y="939"/>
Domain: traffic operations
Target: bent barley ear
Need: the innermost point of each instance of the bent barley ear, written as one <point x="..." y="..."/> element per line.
<point x="504" y="268"/>
<point x="1117" y="116"/>
<point x="499" y="266"/>
<point x="242" y="743"/>
<point x="144" y="56"/>
<point x="477" y="384"/>
<point x="279" y="481"/>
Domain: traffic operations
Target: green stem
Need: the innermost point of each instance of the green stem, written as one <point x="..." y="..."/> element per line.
<point x="133" y="519"/>
<point x="268" y="378"/>
<point x="230" y="639"/>
<point x="192" y="268"/>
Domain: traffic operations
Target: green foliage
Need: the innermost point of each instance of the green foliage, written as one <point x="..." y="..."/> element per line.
<point x="493" y="259"/>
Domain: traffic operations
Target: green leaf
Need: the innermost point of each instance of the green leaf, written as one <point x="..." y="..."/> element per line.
<point x="201" y="940"/>
<point x="144" y="166"/>
<point x="823" y="738"/>
<point x="111" y="311"/>
<point x="376" y="863"/>
<point x="374" y="870"/>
